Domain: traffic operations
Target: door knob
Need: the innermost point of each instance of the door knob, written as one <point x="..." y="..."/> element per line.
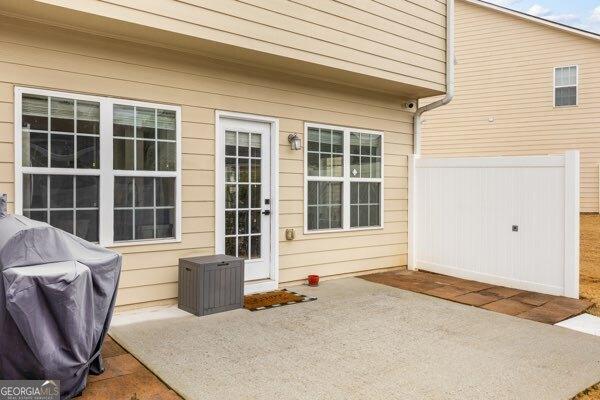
<point x="267" y="212"/>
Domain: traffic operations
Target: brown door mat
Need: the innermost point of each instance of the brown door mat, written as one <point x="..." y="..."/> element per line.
<point x="276" y="298"/>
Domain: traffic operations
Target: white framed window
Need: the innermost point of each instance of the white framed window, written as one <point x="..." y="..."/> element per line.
<point x="343" y="178"/>
<point x="105" y="169"/>
<point x="566" y="80"/>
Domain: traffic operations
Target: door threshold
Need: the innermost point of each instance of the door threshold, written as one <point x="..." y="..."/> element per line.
<point x="262" y="285"/>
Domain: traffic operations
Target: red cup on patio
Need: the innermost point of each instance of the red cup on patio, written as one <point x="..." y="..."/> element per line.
<point x="313" y="280"/>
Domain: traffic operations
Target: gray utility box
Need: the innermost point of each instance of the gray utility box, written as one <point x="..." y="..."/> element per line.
<point x="211" y="284"/>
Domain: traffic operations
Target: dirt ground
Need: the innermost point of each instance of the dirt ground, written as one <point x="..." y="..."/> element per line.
<point x="589" y="274"/>
<point x="590" y="261"/>
<point x="592" y="393"/>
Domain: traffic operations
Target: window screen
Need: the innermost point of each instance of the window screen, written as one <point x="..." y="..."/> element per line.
<point x="67" y="202"/>
<point x="144" y="208"/>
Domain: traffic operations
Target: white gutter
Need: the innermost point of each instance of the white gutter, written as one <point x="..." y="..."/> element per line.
<point x="449" y="78"/>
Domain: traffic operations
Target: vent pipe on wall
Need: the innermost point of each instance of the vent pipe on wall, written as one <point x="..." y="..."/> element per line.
<point x="450" y="66"/>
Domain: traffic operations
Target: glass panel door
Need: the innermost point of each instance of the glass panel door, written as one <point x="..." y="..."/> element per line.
<point x="246" y="208"/>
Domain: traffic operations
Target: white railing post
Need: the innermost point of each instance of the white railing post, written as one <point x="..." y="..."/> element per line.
<point x="412" y="212"/>
<point x="571" y="266"/>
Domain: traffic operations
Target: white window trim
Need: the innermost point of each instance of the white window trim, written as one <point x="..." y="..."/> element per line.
<point x="554" y="87"/>
<point x="345" y="179"/>
<point x="105" y="172"/>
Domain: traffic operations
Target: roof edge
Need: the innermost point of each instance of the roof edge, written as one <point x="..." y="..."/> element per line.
<point x="538" y="20"/>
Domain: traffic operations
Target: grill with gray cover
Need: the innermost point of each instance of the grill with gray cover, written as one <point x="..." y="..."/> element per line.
<point x="57" y="296"/>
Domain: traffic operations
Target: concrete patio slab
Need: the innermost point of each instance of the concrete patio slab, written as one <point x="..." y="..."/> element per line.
<point x="362" y="340"/>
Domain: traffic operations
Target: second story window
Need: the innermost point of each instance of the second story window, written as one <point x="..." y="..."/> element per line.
<point x="565" y="86"/>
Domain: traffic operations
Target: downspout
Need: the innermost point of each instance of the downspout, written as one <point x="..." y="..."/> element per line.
<point x="412" y="261"/>
<point x="450" y="61"/>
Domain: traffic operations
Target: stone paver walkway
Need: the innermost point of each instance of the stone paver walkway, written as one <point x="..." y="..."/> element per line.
<point x="125" y="378"/>
<point x="520" y="303"/>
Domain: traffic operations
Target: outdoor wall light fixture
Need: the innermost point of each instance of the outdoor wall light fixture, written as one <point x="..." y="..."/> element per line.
<point x="295" y="141"/>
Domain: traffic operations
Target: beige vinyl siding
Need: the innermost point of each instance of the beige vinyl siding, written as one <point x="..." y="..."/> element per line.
<point x="399" y="41"/>
<point x="36" y="56"/>
<point x="505" y="71"/>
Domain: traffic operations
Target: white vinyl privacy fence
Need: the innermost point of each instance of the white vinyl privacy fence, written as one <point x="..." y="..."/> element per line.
<point x="510" y="221"/>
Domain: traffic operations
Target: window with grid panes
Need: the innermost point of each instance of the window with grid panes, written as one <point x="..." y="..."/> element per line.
<point x="144" y="139"/>
<point x="325" y="159"/>
<point x="61" y="159"/>
<point x="243" y="194"/>
<point x="565" y="86"/>
<point x="365" y="178"/>
<point x="61" y="134"/>
<point x="344" y="181"/>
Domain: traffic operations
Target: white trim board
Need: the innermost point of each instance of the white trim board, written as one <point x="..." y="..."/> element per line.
<point x="273" y="281"/>
<point x="571" y="232"/>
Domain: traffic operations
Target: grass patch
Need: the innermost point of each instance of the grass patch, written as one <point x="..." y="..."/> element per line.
<point x="591" y="393"/>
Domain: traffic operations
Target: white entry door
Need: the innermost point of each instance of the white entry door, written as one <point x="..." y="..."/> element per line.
<point x="244" y="174"/>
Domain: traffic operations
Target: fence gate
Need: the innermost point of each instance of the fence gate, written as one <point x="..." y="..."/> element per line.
<point x="510" y="221"/>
